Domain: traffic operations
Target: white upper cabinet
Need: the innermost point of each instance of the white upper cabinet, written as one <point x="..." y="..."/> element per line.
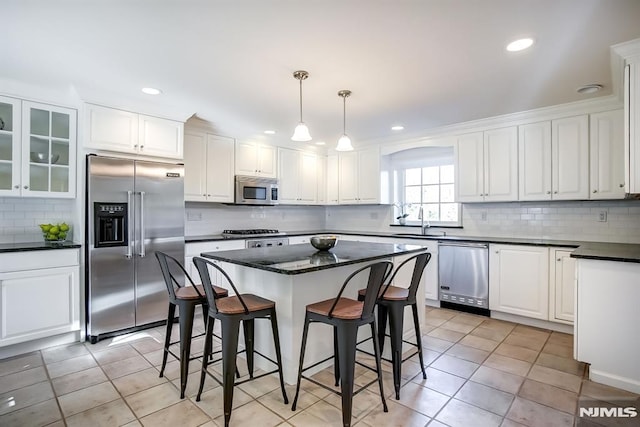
<point x="10" y="147"/>
<point x="116" y="130"/>
<point x="332" y="178"/>
<point x="554" y="159"/>
<point x="570" y="158"/>
<point x="487" y="166"/>
<point x="501" y="164"/>
<point x="470" y="168"/>
<point x="255" y="159"/>
<point x="37" y="150"/>
<point x="534" y="164"/>
<point x="359" y="176"/>
<point x="208" y="165"/>
<point x="297" y="177"/>
<point x="606" y="147"/>
<point x="632" y="124"/>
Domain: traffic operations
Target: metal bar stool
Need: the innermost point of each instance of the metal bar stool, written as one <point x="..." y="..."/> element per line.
<point x="231" y="311"/>
<point x="346" y="316"/>
<point x="186" y="298"/>
<point x="392" y="301"/>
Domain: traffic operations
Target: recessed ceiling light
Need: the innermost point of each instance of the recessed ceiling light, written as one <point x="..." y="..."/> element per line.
<point x="397" y="127"/>
<point x="270" y="132"/>
<point x="151" y="91"/>
<point x="520" y="44"/>
<point x="320" y="143"/>
<point x="592" y="88"/>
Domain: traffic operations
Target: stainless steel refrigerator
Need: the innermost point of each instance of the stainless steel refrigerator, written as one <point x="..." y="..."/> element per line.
<point x="134" y="208"/>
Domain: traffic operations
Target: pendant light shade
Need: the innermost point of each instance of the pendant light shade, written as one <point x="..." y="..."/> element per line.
<point x="344" y="143"/>
<point x="301" y="133"/>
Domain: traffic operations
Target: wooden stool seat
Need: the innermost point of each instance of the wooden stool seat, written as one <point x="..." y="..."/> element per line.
<point x="393" y="293"/>
<point x="345" y="309"/>
<point x="232" y="305"/>
<point x="189" y="292"/>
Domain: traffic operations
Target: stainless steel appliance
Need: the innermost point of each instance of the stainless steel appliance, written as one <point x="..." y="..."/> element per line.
<point x="259" y="232"/>
<point x="251" y="190"/>
<point x="133" y="209"/>
<point x="267" y="242"/>
<point x="463" y="271"/>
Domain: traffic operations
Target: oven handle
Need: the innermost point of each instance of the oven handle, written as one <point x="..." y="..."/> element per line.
<point x="142" y="251"/>
<point x="129" y="227"/>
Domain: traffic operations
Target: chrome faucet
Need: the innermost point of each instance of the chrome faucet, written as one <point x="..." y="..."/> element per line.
<point x="423" y="226"/>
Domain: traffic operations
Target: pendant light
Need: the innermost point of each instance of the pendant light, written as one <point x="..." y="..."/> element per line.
<point x="301" y="133"/>
<point x="344" y="143"/>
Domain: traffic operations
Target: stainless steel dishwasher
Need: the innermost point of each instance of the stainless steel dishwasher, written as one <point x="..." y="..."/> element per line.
<point x="463" y="276"/>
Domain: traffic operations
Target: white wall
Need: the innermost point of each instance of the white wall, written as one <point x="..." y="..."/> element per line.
<point x="19" y="217"/>
<point x="210" y="218"/>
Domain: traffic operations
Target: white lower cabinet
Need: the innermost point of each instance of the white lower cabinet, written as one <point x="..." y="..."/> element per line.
<point x="298" y="240"/>
<point x="195" y="249"/>
<point x="519" y="280"/>
<point x="562" y="283"/>
<point x="39" y="295"/>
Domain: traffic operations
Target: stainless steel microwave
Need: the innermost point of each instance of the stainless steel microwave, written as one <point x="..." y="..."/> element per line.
<point x="252" y="190"/>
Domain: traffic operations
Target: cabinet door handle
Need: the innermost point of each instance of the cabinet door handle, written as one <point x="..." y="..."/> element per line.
<point x="559" y="259"/>
<point x="621" y="185"/>
<point x="548" y="192"/>
<point x="595" y="191"/>
<point x="555" y="192"/>
<point x="135" y="146"/>
<point x="16" y="186"/>
<point x="26" y="187"/>
<point x="498" y="252"/>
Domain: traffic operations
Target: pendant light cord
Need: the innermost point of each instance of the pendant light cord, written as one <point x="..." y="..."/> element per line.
<point x="301" y="101"/>
<point x="344" y="115"/>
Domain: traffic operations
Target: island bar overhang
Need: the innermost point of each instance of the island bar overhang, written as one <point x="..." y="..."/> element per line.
<point x="297" y="275"/>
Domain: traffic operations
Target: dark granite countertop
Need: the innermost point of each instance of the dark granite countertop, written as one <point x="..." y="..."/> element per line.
<point x="293" y="259"/>
<point x="417" y="237"/>
<point x="36" y="246"/>
<point x="621" y="252"/>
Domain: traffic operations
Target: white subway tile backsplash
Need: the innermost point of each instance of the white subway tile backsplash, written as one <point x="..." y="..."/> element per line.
<point x="19" y="217"/>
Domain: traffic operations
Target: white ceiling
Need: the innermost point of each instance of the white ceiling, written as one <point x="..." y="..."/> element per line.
<point x="419" y="63"/>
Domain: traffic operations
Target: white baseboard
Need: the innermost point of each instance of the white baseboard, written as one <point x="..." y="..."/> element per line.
<point x="40" y="344"/>
<point x="537" y="323"/>
<point x="614" y="380"/>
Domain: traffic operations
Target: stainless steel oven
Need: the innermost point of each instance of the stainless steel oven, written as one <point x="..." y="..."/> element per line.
<point x="251" y="190"/>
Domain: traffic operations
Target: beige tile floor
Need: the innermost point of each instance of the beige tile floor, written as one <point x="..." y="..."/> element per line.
<point x="481" y="372"/>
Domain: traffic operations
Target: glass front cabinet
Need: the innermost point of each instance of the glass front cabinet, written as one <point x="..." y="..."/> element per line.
<point x="37" y="149"/>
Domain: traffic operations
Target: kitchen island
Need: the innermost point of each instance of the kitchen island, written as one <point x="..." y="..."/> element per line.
<point x="297" y="275"/>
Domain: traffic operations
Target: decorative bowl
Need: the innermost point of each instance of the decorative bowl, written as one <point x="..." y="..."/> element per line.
<point x="323" y="243"/>
<point x="42" y="157"/>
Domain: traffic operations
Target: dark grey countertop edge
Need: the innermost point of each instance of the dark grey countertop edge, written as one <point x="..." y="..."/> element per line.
<point x="216" y="256"/>
<point x="620" y="252"/>
<point x="35" y="246"/>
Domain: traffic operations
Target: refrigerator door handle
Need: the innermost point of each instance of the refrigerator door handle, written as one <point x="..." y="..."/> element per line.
<point x="129" y="227"/>
<point x="142" y="250"/>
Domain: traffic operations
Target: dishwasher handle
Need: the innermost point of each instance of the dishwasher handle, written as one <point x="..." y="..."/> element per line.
<point x="466" y="245"/>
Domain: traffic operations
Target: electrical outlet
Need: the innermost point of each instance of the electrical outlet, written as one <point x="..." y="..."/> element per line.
<point x="602" y="216"/>
<point x="484" y="215"/>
